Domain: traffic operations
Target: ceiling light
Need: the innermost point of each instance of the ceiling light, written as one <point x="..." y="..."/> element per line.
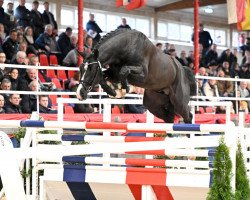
<point x="208" y="10"/>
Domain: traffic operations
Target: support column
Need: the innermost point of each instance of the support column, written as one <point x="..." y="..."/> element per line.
<point x="80" y="30"/>
<point x="196" y="36"/>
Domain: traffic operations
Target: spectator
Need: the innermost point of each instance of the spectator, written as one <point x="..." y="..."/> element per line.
<point x="32" y="48"/>
<point x="20" y="29"/>
<point x="22" y="15"/>
<point x="133" y="108"/>
<point x="64" y="42"/>
<point x="244" y="71"/>
<point x="244" y="106"/>
<point x="13" y="77"/>
<point x="245" y="46"/>
<point x="37" y="20"/>
<point x="45" y="40"/>
<point x="20" y="60"/>
<point x="20" y="37"/>
<point x="159" y="46"/>
<point x="43" y="105"/>
<point x="204" y="39"/>
<point x="212" y="68"/>
<point x="190" y="57"/>
<point x="29" y="102"/>
<point x="2" y="110"/>
<point x="2" y="60"/>
<point x="244" y="93"/>
<point x="74" y="40"/>
<point x="211" y="54"/>
<point x="246" y="58"/>
<point x="10" y="46"/>
<point x="166" y="48"/>
<point x="210" y="89"/>
<point x="23" y="83"/>
<point x="225" y="88"/>
<point x="14" y="104"/>
<point x="10" y="18"/>
<point x="227" y="56"/>
<point x="226" y="68"/>
<point x="124" y="24"/>
<point x="93" y="29"/>
<point x="235" y="70"/>
<point x="2" y="34"/>
<point x="88" y="45"/>
<point x="2" y="16"/>
<point x="48" y="17"/>
<point x="6" y="85"/>
<point x="183" y="59"/>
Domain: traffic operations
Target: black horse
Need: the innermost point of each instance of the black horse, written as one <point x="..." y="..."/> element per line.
<point x="130" y="57"/>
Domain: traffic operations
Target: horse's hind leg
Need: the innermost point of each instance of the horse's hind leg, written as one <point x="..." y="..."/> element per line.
<point x="159" y="105"/>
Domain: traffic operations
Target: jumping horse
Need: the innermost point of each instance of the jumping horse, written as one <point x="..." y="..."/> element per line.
<point x="129" y="57"/>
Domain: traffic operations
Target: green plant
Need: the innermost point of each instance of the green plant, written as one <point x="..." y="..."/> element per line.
<point x="242" y="182"/>
<point x="20" y="133"/>
<point x="221" y="188"/>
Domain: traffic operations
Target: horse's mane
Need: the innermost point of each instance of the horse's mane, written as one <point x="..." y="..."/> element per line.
<point x="110" y="35"/>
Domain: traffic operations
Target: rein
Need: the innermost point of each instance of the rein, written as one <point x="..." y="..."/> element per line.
<point x="88" y="82"/>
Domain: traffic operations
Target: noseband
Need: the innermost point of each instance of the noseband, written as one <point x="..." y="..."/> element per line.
<point x="88" y="82"/>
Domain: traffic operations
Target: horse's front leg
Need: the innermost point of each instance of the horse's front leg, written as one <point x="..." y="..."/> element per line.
<point x="134" y="72"/>
<point x="107" y="88"/>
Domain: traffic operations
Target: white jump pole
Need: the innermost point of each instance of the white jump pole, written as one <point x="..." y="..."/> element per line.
<point x="9" y="170"/>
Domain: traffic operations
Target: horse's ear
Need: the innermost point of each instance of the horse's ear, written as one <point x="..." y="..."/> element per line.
<point x="96" y="53"/>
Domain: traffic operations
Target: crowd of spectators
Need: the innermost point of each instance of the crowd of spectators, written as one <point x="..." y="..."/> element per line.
<point x="26" y="34"/>
<point x="214" y="64"/>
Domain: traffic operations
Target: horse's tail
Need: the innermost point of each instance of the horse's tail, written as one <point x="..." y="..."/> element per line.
<point x="191" y="79"/>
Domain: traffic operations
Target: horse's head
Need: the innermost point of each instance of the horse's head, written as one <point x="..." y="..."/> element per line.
<point x="91" y="75"/>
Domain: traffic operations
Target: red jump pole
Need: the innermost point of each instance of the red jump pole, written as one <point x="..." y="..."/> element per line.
<point x="196" y="36"/>
<point x="80" y="30"/>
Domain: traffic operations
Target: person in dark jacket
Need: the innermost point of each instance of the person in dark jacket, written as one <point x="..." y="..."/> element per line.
<point x="10" y="19"/>
<point x="13" y="77"/>
<point x="64" y="42"/>
<point x="205" y="39"/>
<point x="10" y="46"/>
<point x="48" y="17"/>
<point x="43" y="105"/>
<point x="2" y="101"/>
<point x="45" y="41"/>
<point x="14" y="104"/>
<point x="29" y="102"/>
<point x="23" y="83"/>
<point x="22" y="14"/>
<point x="211" y="54"/>
<point x="37" y="20"/>
<point x="124" y="24"/>
<point x="2" y="14"/>
<point x="93" y="29"/>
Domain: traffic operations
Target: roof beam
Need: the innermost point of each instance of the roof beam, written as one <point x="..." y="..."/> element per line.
<point x="187" y="4"/>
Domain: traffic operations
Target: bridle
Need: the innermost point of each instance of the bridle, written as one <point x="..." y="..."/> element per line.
<point x="88" y="82"/>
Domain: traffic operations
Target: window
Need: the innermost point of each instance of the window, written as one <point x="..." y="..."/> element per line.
<point x="185" y="33"/>
<point x="235" y="39"/>
<point x="130" y="22"/>
<point x="100" y="20"/>
<point x="220" y="37"/>
<point x="67" y="16"/>
<point x="116" y="21"/>
<point x="143" y="26"/>
<point x="173" y="31"/>
<point x="162" y="29"/>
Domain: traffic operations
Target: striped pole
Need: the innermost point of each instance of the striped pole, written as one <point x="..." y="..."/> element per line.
<point x="109" y="126"/>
